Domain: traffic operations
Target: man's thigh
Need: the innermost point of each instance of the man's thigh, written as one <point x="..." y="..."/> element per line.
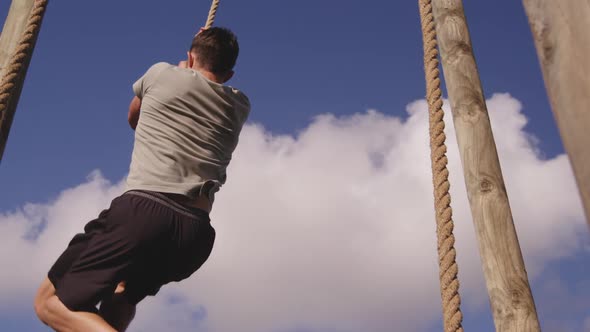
<point x="75" y="247"/>
<point x="117" y="311"/>
<point x="96" y="261"/>
<point x="180" y="256"/>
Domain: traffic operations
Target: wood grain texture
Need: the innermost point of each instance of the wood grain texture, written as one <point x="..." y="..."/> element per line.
<point x="13" y="29"/>
<point x="561" y="30"/>
<point x="14" y="26"/>
<point x="510" y="296"/>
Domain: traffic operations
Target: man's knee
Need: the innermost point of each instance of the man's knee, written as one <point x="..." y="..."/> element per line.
<point x="47" y="310"/>
<point x="45" y="292"/>
<point x="39" y="305"/>
<point x="40" y="310"/>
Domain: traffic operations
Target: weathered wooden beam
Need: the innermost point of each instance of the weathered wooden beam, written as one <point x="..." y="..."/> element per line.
<point x="14" y="26"/>
<point x="510" y="296"/>
<point x="12" y="33"/>
<point x="561" y="30"/>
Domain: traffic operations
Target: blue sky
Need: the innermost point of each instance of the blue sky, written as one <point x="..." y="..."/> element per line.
<point x="298" y="59"/>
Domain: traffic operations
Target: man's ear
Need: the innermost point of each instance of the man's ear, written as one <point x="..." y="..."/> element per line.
<point x="228" y="76"/>
<point x="190" y="59"/>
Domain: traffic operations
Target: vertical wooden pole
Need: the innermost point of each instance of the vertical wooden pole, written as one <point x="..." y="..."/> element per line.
<point x="506" y="278"/>
<point x="12" y="34"/>
<point x="561" y="30"/>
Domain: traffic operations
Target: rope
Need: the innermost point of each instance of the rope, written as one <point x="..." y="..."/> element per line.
<point x="448" y="270"/>
<point x="212" y="13"/>
<point x="23" y="52"/>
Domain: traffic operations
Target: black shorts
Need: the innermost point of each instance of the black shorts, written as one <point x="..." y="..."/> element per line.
<point x="145" y="239"/>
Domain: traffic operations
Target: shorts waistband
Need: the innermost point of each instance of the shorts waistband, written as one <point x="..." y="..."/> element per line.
<point x="169" y="202"/>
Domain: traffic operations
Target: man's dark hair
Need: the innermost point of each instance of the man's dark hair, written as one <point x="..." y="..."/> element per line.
<point x="216" y="49"/>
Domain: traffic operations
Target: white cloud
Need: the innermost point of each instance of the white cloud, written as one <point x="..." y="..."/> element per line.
<point x="332" y="228"/>
<point x="28" y="253"/>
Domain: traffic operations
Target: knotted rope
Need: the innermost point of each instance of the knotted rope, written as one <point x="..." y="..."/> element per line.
<point x="24" y="50"/>
<point x="448" y="270"/>
<point x="212" y="13"/>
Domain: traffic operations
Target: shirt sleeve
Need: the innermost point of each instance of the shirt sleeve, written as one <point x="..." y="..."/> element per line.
<point x="142" y="85"/>
<point x="243" y="106"/>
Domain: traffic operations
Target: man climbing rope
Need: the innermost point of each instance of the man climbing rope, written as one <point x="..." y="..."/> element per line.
<point x="158" y="231"/>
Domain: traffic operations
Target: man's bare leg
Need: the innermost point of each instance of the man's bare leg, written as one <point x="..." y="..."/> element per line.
<point x="54" y="313"/>
<point x="61" y="319"/>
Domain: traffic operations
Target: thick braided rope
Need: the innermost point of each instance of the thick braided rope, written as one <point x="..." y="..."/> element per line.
<point x="22" y="53"/>
<point x="448" y="270"/>
<point x="212" y="13"/>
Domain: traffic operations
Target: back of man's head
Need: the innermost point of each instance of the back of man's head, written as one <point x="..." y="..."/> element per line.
<point x="216" y="50"/>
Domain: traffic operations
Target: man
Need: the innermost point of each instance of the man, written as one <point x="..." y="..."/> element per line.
<point x="186" y="126"/>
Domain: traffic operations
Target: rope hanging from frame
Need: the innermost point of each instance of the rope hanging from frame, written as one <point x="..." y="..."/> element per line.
<point x="212" y="13"/>
<point x="23" y="52"/>
<point x="448" y="269"/>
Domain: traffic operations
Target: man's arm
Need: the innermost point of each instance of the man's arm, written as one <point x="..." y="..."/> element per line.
<point x="133" y="116"/>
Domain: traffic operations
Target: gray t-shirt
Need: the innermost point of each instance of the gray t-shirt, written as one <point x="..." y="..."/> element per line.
<point x="187" y="131"/>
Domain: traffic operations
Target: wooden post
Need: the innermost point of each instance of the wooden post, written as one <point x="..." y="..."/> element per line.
<point x="506" y="278"/>
<point x="13" y="30"/>
<point x="561" y="30"/>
